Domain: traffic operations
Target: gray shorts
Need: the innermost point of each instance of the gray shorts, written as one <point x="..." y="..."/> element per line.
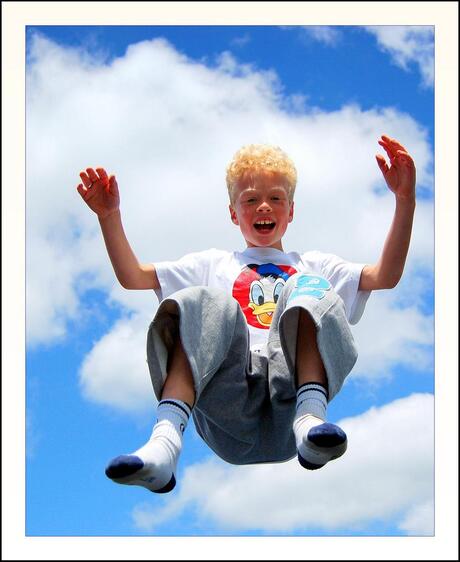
<point x="245" y="400"/>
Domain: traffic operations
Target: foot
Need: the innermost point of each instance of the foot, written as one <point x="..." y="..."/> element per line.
<point x="322" y="443"/>
<point x="155" y="472"/>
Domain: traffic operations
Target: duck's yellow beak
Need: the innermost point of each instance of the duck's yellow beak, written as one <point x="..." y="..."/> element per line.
<point x="264" y="312"/>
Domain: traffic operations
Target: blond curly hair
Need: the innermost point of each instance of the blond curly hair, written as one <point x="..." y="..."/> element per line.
<point x="261" y="157"/>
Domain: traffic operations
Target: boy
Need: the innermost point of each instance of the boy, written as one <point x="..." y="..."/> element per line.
<point x="256" y="343"/>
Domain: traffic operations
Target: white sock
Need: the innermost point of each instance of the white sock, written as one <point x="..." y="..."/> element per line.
<point x="317" y="441"/>
<point x="154" y="465"/>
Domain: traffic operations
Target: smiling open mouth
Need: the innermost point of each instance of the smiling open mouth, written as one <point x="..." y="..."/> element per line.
<point x="264" y="225"/>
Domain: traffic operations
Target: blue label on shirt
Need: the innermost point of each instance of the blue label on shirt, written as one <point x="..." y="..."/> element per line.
<point x="310" y="286"/>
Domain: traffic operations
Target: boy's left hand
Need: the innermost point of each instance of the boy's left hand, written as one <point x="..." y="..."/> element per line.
<point x="400" y="175"/>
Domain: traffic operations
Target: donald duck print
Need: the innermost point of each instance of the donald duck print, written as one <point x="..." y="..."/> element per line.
<point x="257" y="290"/>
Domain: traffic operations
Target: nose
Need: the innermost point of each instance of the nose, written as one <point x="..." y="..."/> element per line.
<point x="264" y="207"/>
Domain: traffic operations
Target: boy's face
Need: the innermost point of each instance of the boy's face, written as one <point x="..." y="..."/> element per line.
<point x="261" y="208"/>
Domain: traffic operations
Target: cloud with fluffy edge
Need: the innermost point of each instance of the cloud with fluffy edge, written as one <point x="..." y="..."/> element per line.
<point x="408" y="45"/>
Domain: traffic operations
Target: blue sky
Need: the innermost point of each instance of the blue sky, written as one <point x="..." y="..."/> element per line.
<point x="165" y="108"/>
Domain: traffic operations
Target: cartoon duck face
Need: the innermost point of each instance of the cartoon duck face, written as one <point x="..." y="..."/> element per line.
<point x="263" y="296"/>
<point x="257" y="289"/>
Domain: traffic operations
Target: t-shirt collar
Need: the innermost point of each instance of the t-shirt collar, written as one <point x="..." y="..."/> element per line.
<point x="261" y="252"/>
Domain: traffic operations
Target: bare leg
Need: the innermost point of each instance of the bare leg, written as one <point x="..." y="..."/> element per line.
<point x="179" y="382"/>
<point x="309" y="365"/>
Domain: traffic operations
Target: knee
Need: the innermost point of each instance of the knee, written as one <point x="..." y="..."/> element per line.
<point x="205" y="302"/>
<point x="202" y="309"/>
<point x="199" y="294"/>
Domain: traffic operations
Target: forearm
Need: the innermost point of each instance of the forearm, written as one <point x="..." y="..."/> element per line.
<point x="390" y="267"/>
<point x="124" y="262"/>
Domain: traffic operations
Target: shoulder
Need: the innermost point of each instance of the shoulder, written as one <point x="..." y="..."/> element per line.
<point x="210" y="254"/>
<point x="326" y="259"/>
<point x="331" y="265"/>
<point x="215" y="255"/>
<point x="315" y="258"/>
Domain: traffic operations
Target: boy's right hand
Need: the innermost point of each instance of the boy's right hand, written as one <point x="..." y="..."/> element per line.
<point x="99" y="192"/>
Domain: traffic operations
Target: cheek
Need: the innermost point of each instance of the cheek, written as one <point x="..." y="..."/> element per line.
<point x="245" y="217"/>
<point x="282" y="218"/>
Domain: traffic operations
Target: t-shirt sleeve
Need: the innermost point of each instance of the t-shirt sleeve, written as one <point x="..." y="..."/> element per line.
<point x="345" y="276"/>
<point x="191" y="270"/>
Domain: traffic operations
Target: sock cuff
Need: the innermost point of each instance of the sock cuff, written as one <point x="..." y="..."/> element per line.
<point x="312" y="399"/>
<point x="315" y="387"/>
<point x="177" y="406"/>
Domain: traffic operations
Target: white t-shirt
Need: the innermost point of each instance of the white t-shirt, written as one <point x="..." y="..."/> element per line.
<point x="255" y="277"/>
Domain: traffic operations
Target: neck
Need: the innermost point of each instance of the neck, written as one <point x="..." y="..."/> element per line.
<point x="277" y="246"/>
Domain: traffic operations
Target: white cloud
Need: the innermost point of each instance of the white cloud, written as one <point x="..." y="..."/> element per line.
<point x="386" y="474"/>
<point x="388" y="336"/>
<point x="323" y="33"/>
<point x="419" y="520"/>
<point x="115" y="372"/>
<point x="408" y="45"/>
<point x="167" y="127"/>
<point x="241" y="40"/>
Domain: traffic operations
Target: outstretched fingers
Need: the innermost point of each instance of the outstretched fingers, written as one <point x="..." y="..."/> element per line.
<point x="82" y="190"/>
<point x="388" y="149"/>
<point x="88" y="177"/>
<point x="392" y="147"/>
<point x="92" y="175"/>
<point x="393" y="143"/>
<point x="102" y="175"/>
<point x="85" y="179"/>
<point x="382" y="163"/>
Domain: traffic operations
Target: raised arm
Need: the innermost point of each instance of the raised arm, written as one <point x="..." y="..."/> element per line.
<point x="101" y="194"/>
<point x="400" y="179"/>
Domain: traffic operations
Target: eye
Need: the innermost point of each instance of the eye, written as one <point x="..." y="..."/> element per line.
<point x="279" y="285"/>
<point x="257" y="293"/>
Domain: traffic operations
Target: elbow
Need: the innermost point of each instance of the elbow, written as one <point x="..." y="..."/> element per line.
<point x="390" y="283"/>
<point x="376" y="278"/>
<point x="127" y="284"/>
<point x="136" y="283"/>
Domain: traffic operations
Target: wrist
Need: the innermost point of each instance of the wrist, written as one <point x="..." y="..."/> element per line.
<point x="405" y="201"/>
<point x="108" y="215"/>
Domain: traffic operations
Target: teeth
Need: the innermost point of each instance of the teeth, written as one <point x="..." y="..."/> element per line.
<point x="264" y="222"/>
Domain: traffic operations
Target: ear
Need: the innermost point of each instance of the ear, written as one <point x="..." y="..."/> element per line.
<point x="233" y="215"/>
<point x="291" y="211"/>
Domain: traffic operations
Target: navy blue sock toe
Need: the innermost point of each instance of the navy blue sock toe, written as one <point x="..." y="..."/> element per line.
<point x="308" y="465"/>
<point x="124" y="465"/>
<point x="327" y="435"/>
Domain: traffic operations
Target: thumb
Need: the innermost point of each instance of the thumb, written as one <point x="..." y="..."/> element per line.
<point x="382" y="164"/>
<point x="113" y="185"/>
